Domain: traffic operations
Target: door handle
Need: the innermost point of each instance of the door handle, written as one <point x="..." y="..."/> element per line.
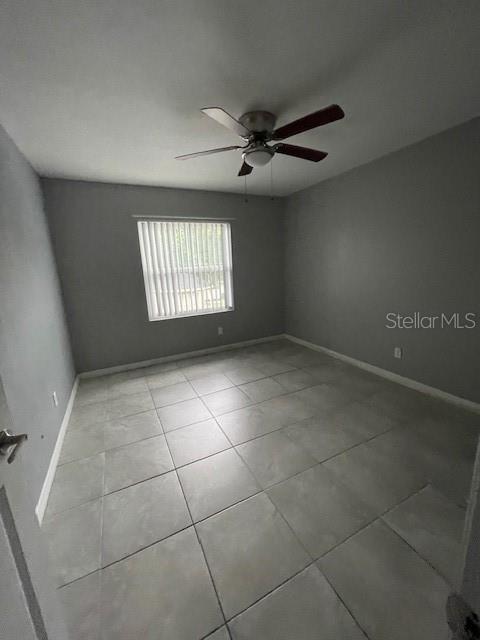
<point x="7" y="441"/>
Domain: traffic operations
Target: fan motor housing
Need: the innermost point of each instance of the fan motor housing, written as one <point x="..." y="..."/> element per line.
<point x="258" y="121"/>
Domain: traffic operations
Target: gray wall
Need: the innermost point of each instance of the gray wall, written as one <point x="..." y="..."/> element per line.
<point x="35" y="356"/>
<point x="96" y="246"/>
<point x="400" y="234"/>
<point x="35" y="353"/>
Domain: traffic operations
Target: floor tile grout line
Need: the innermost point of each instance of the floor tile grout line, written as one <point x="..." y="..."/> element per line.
<point x="427" y="562"/>
<point x="353" y="446"/>
<point x="403" y="500"/>
<point x="315" y="464"/>
<point x="314" y="560"/>
<point x="276" y="428"/>
<point x="381" y="518"/>
<point x="102" y="523"/>
<point x="181" y="370"/>
<point x="220" y="427"/>
<point x="373" y="437"/>
<point x="85" y="402"/>
<point x="128" y="444"/>
<point x="250" y="403"/>
<point x="399" y="535"/>
<point x="214" y="585"/>
<point x="374" y="519"/>
<point x="143" y="411"/>
<point x="210" y="633"/>
<point x="209" y="455"/>
<point x="270" y="591"/>
<point x="263" y="489"/>
<point x="358" y="444"/>
<point x="100" y="422"/>
<point x="102" y="505"/>
<point x="230" y="506"/>
<point x="236" y="504"/>
<point x="253" y="403"/>
<point x="297" y="422"/>
<point x="269" y="355"/>
<point x="226" y="372"/>
<point x="133" y="484"/>
<point x="164" y="433"/>
<point x="55" y="514"/>
<point x="233" y="446"/>
<point x="189" y="381"/>
<point x="199" y="540"/>
<point x="193" y="524"/>
<point x="102" y="567"/>
<point x="237" y="384"/>
<point x="115" y="448"/>
<point x="170" y="404"/>
<point x="378" y="518"/>
<point x="147" y="546"/>
<point x="198" y="535"/>
<point x="261" y="435"/>
<point x="290" y="528"/>
<point x="209" y="393"/>
<point x="347" y="608"/>
<point x="203" y="553"/>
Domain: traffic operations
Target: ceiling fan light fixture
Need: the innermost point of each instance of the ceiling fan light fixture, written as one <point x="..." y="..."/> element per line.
<point x="258" y="157"/>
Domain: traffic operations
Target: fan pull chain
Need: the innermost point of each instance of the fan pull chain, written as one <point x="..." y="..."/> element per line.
<point x="245" y="189"/>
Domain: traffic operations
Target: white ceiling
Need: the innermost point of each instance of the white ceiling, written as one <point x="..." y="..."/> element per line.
<point x="110" y="90"/>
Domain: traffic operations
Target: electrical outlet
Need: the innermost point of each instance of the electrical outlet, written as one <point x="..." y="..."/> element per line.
<point x="397" y="352"/>
<point x="55" y="399"/>
<point x="220" y="331"/>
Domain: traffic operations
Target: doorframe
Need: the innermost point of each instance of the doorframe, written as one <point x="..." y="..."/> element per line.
<point x="468" y="583"/>
<point x="13" y="540"/>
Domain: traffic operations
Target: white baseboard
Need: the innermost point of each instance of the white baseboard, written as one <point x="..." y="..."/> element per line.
<point x="389" y="375"/>
<point x="178" y="356"/>
<point x="47" y="484"/>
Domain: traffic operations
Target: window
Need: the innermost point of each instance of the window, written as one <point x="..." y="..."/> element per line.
<point x="187" y="267"/>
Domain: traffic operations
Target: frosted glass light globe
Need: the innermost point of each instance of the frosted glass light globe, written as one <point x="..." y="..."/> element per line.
<point x="257" y="157"/>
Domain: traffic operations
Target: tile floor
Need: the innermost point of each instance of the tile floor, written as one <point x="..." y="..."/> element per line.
<point x="267" y="493"/>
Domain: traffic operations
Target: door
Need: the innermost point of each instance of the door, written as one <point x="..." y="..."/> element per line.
<point x="469" y="583"/>
<point x="23" y="560"/>
<point x="463" y="608"/>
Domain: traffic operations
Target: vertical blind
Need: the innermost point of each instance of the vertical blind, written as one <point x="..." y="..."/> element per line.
<point x="187" y="267"/>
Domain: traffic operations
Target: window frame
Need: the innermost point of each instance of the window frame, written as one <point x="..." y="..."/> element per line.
<point x="229" y="275"/>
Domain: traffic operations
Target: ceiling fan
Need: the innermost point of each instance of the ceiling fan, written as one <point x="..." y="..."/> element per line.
<point x="256" y="128"/>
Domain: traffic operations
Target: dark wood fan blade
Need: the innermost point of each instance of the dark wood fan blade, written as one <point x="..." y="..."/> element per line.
<point x="225" y="119"/>
<point x="313" y="120"/>
<point x="245" y="169"/>
<point x="300" y="152"/>
<point x="206" y="153"/>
